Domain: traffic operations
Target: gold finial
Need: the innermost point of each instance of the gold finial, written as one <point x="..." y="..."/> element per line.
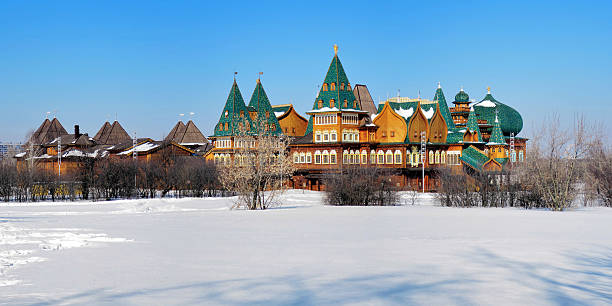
<point x="335" y="49"/>
<point x="488" y="89"/>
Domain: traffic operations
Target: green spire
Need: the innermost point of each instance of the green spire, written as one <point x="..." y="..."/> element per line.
<point x="497" y="137"/>
<point x="259" y="102"/>
<point x="444" y="111"/>
<point x="340" y="93"/>
<point x="234" y="113"/>
<point x="472" y="123"/>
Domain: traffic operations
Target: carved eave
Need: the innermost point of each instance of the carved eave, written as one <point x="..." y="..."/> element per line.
<point x="438" y="127"/>
<point x="386" y="119"/>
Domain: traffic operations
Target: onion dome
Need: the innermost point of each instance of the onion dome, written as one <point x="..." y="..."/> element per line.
<point x="462" y="96"/>
<point x="510" y="120"/>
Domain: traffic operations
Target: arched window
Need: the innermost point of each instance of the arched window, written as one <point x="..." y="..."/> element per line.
<point x="325" y="156"/>
<point x="324" y="86"/>
<point x="333" y="157"/>
<point x="345" y="103"/>
<point x="348" y="86"/>
<point x="389" y="157"/>
<point x="226" y="126"/>
<point x="296" y="157"/>
<point x="437" y="157"/>
<point x="341" y="86"/>
<point x="513" y="156"/>
<point x="267" y="114"/>
<point x="364" y="157"/>
<point x="372" y="157"/>
<point x="416" y="158"/>
<point x="226" y="114"/>
<point x="241" y="113"/>
<point x="357" y="136"/>
<point x="352" y="157"/>
<point x="332" y="103"/>
<point x="381" y="157"/>
<point x="431" y="157"/>
<point x="320" y="104"/>
<point x="318" y="136"/>
<point x="317" y="156"/>
<point x="355" y="104"/>
<point x="398" y="157"/>
<point x="333" y="136"/>
<point x="443" y="157"/>
<point x="345" y="157"/>
<point x="333" y="86"/>
<point x="302" y="158"/>
<point x="326" y="136"/>
<point x="409" y="158"/>
<point x="309" y="158"/>
<point x="521" y="156"/>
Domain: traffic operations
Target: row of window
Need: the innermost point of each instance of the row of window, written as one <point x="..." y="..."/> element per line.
<point x="332" y="86"/>
<point x="326" y="119"/>
<point x="332" y="104"/>
<point x="350" y="119"/>
<point x="223" y="143"/>
<point x="377" y="157"/>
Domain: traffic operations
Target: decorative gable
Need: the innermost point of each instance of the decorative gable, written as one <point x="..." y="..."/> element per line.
<point x="391" y="126"/>
<point x="418" y="123"/>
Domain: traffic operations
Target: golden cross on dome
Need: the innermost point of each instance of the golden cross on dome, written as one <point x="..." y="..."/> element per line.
<point x="489" y="89"/>
<point x="335" y="49"/>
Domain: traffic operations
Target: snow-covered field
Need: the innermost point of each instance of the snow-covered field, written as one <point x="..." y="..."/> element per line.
<point x="197" y="251"/>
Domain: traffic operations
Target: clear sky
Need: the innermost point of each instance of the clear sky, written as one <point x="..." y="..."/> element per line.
<point x="145" y="62"/>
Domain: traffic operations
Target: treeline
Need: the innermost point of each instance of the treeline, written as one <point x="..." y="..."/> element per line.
<point x="359" y="186"/>
<point x="563" y="168"/>
<point x="107" y="179"/>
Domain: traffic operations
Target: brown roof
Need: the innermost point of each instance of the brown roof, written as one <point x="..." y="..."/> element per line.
<point x="176" y="132"/>
<point x="48" y="131"/>
<point x="115" y="134"/>
<point x="190" y="135"/>
<point x="103" y="130"/>
<point x="362" y="94"/>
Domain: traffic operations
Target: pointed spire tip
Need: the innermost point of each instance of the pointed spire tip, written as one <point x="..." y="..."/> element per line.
<point x="335" y="49"/>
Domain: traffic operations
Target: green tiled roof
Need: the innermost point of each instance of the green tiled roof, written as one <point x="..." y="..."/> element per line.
<point x="511" y="120"/>
<point x="472" y="124"/>
<point x="261" y="104"/>
<point x="474" y="157"/>
<point x="233" y="107"/>
<point x="462" y="97"/>
<point x="502" y="161"/>
<point x="454" y="136"/>
<point x="444" y="111"/>
<point x="496" y="136"/>
<point x="335" y="74"/>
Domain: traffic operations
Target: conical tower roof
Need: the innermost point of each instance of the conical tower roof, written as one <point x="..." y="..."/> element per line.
<point x="36" y="137"/>
<point x="444" y="111"/>
<point x="53" y="131"/>
<point x="265" y="114"/>
<point x="341" y="92"/>
<point x="113" y="135"/>
<point x="366" y="102"/>
<point x="234" y="113"/>
<point x="103" y="130"/>
<point x="191" y="135"/>
<point x="177" y="131"/>
<point x="472" y="123"/>
<point x="497" y="137"/>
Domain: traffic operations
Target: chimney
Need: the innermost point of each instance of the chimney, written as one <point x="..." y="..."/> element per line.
<point x="77" y="133"/>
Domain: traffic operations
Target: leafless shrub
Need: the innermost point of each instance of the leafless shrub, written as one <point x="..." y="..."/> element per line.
<point x="360" y="186"/>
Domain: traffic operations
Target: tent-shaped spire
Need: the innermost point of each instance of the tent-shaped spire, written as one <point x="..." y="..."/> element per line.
<point x="234" y="114"/>
<point x="103" y="130"/>
<point x="177" y="131"/>
<point x="265" y="115"/>
<point x="336" y="87"/>
<point x="115" y="134"/>
<point x="472" y="124"/>
<point x="191" y="136"/>
<point x="49" y="131"/>
<point x="497" y="137"/>
<point x="40" y="132"/>
<point x="444" y="111"/>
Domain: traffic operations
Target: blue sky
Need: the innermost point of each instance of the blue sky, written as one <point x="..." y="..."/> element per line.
<point x="145" y="62"/>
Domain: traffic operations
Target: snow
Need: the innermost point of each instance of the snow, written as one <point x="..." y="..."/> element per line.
<point x="18" y="155"/>
<point x="406" y="113"/>
<point x="198" y="251"/>
<point x="428" y="113"/>
<point x="324" y="109"/>
<point x="278" y="114"/>
<point x="147" y="146"/>
<point x="486" y="103"/>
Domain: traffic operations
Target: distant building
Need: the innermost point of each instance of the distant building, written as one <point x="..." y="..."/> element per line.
<point x="8" y="150"/>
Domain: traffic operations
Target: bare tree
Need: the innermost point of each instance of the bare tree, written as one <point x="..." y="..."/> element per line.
<point x="598" y="174"/>
<point x="361" y="186"/>
<point x="259" y="168"/>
